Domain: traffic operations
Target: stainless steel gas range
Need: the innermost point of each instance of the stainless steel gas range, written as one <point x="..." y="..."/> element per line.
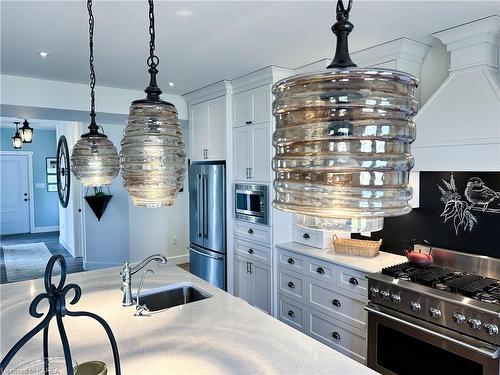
<point x="443" y="319"/>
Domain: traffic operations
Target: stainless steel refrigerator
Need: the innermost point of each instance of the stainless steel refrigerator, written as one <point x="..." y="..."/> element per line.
<point x="207" y="221"/>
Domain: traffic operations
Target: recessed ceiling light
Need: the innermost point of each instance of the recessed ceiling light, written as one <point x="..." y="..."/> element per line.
<point x="184" y="13"/>
<point x="43" y="53"/>
<point x="171" y="84"/>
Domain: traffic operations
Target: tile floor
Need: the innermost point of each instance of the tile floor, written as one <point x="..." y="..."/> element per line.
<point x="51" y="240"/>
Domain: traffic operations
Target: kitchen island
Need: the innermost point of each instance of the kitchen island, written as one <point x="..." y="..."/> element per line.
<point x="218" y="335"/>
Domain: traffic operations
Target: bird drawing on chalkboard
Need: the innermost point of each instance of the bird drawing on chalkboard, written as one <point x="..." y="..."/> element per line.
<point x="477" y="192"/>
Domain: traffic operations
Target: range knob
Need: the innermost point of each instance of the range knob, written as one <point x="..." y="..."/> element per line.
<point x="385" y="295"/>
<point x="374" y="292"/>
<point x="474" y="323"/>
<point x="491" y="329"/>
<point x="395" y="298"/>
<point x="415" y="306"/>
<point x="458" y="318"/>
<point x="435" y="312"/>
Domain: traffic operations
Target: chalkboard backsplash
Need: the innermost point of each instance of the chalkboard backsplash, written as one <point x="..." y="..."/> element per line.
<point x="458" y="211"/>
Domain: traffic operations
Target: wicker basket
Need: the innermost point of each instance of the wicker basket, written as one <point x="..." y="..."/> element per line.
<point x="362" y="248"/>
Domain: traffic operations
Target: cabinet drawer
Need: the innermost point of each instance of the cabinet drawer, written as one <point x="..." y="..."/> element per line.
<point x="351" y="280"/>
<point x="291" y="313"/>
<point x="311" y="237"/>
<point x="337" y="335"/>
<point x="292" y="261"/>
<point x="291" y="284"/>
<point x="253" y="232"/>
<point x="326" y="299"/>
<point x="320" y="270"/>
<point x="253" y="251"/>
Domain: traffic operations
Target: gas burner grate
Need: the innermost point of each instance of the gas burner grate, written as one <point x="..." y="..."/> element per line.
<point x="479" y="285"/>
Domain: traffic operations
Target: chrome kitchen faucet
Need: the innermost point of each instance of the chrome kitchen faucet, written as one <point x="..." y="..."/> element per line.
<point x="127" y="273"/>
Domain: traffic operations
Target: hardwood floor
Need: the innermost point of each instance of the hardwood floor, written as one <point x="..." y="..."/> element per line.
<point x="184" y="266"/>
<point x="51" y="240"/>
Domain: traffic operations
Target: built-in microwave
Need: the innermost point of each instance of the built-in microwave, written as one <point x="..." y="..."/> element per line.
<point x="251" y="203"/>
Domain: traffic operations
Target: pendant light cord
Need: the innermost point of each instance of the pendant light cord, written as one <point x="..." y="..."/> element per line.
<point x="94" y="129"/>
<point x="153" y="91"/>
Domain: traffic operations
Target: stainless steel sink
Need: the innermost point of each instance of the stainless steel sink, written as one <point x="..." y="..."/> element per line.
<point x="173" y="295"/>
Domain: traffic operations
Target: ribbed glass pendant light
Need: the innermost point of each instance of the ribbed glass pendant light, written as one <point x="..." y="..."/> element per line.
<point x="342" y="142"/>
<point x="152" y="155"/>
<point x="94" y="159"/>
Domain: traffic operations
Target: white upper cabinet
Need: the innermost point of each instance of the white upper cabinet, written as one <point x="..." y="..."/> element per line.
<point x="251" y="154"/>
<point x="208" y="124"/>
<point x="252" y="106"/>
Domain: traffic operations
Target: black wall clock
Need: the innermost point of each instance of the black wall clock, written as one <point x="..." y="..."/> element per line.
<point x="63" y="171"/>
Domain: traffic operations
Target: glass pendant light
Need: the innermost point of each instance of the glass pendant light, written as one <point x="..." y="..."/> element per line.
<point x="26" y="132"/>
<point x="17" y="141"/>
<point x="94" y="159"/>
<point x="152" y="155"/>
<point x="342" y="142"/>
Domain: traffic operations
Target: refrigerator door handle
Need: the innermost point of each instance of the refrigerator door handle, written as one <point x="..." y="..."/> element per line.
<point x="205" y="206"/>
<point x="199" y="207"/>
<point x="205" y="254"/>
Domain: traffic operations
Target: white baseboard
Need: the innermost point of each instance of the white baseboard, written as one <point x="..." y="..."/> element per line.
<point x="89" y="266"/>
<point x="179" y="259"/>
<point x="53" y="228"/>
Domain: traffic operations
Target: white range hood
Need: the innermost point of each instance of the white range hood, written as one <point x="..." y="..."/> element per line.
<point x="458" y="128"/>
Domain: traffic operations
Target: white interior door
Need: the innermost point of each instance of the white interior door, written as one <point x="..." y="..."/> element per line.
<point x="14" y="204"/>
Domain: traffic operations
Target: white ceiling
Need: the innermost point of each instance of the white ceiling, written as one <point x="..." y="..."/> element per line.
<point x="219" y="40"/>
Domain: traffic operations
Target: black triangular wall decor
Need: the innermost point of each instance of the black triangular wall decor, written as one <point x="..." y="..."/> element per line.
<point x="98" y="204"/>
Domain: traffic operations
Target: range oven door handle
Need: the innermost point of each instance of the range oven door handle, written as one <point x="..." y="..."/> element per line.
<point x="489" y="352"/>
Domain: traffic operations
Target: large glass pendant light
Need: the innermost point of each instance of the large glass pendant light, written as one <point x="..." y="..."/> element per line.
<point x="94" y="159"/>
<point x="26" y="132"/>
<point x="342" y="142"/>
<point x="152" y="155"/>
<point x="17" y="141"/>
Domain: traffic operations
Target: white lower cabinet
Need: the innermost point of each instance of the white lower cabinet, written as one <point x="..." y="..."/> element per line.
<point x="253" y="282"/>
<point x="317" y="298"/>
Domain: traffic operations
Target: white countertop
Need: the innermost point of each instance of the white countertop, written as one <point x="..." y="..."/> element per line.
<point x="218" y="335"/>
<point x="363" y="264"/>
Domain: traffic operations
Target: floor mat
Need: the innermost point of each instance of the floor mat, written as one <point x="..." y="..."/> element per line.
<point x="25" y="261"/>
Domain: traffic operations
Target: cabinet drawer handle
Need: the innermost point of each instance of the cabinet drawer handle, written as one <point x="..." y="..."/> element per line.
<point x="336" y="335"/>
<point x="291" y="313"/>
<point x="250" y="231"/>
<point x="353" y="281"/>
<point x="336" y="302"/>
<point x="291" y="261"/>
<point x="320" y="270"/>
<point x="250" y="251"/>
<point x="306" y="236"/>
<point x="248" y="122"/>
<point x="291" y="285"/>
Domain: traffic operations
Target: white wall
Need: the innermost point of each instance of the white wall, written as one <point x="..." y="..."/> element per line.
<point x="162" y="230"/>
<point x="33" y="92"/>
<point x="107" y="241"/>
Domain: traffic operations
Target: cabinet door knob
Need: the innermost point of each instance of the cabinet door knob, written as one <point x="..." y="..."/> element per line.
<point x="291" y="313"/>
<point x="336" y="302"/>
<point x="25" y="194"/>
<point x="353" y="281"/>
<point x="320" y="270"/>
<point x="248" y="122"/>
<point x="25" y="199"/>
<point x="336" y="335"/>
<point x="306" y="236"/>
<point x="250" y="231"/>
<point x="291" y="285"/>
<point x="291" y="261"/>
<point x="250" y="251"/>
